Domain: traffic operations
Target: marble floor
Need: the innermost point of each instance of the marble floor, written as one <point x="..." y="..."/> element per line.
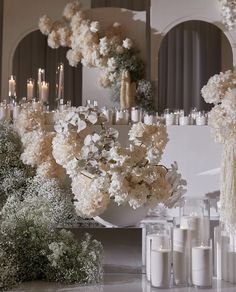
<point x="117" y="283"/>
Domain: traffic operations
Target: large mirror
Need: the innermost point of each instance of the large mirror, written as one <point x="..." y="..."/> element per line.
<point x="189" y="55"/>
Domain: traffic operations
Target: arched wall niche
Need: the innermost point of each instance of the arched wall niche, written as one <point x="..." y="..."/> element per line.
<point x="189" y="54"/>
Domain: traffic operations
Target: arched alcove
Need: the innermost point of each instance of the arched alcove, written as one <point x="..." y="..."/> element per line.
<point x="189" y="54"/>
<point x="32" y="53"/>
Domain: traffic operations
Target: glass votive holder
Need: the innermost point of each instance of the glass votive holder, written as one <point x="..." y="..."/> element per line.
<point x="155" y="234"/>
<point x="169" y="119"/>
<point x="136" y="115"/>
<point x="202" y="264"/>
<point x="149" y="119"/>
<point x="184" y="120"/>
<point x="16" y="109"/>
<point x="201" y="119"/>
<point x="122" y="117"/>
<point x="195" y="216"/>
<point x="160" y="267"/>
<point x="181" y="256"/>
<point x="109" y="115"/>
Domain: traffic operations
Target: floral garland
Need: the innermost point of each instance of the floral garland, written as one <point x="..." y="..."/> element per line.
<point x="102" y="170"/>
<point x="228" y="8"/>
<point x="110" y="51"/>
<point x="221" y="91"/>
<point x="32" y="208"/>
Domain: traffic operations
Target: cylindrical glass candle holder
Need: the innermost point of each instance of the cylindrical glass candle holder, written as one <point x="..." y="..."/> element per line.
<point x="231" y="254"/>
<point x="122" y="117"/>
<point x="195" y="216"/>
<point x="136" y="115"/>
<point x="155" y="233"/>
<point x="161" y="256"/>
<point x="184" y="120"/>
<point x="181" y="256"/>
<point x="3" y="112"/>
<point x="169" y="119"/>
<point x="109" y="115"/>
<point x="202" y="264"/>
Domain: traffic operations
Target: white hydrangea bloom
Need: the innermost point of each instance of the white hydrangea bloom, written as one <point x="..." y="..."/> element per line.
<point x="127" y="43"/>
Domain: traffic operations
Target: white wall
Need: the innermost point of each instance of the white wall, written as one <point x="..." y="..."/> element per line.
<point x="21" y="17"/>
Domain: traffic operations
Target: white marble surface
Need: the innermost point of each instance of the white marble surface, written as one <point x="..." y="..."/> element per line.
<point x="118" y="283"/>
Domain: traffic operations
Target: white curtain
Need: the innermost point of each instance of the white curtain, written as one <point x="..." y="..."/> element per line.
<point x="190" y="53"/>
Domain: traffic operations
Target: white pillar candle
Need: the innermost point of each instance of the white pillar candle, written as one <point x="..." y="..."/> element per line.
<point x="44" y="92"/>
<point x="136" y="115"/>
<point x="170" y="119"/>
<point x="160" y="267"/>
<point x="201" y="121"/>
<point x="61" y="81"/>
<point x="30" y="89"/>
<point x="157" y="241"/>
<point x="183" y="121"/>
<point x="122" y="117"/>
<point x="181" y="255"/>
<point x="202" y="266"/>
<point x="149" y="119"/>
<point x="12" y="86"/>
<point x="16" y="111"/>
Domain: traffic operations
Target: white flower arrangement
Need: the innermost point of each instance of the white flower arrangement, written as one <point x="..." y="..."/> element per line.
<point x="221" y="90"/>
<point x="102" y="170"/>
<point x="228" y="11"/>
<point x="107" y="49"/>
<point x="37" y="143"/>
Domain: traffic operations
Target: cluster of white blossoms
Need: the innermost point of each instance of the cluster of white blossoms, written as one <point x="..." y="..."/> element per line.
<point x="228" y="8"/>
<point x="217" y="86"/>
<point x="102" y="170"/>
<point x="37" y="143"/>
<point x="88" y="43"/>
<point x="221" y="90"/>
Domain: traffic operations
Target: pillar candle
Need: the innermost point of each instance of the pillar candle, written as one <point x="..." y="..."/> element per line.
<point x="12" y="86"/>
<point x="44" y="92"/>
<point x="157" y="240"/>
<point x="170" y="119"/>
<point x="201" y="121"/>
<point x="30" y="89"/>
<point x="218" y="253"/>
<point x="136" y="115"/>
<point x="183" y="121"/>
<point x="160" y="267"/>
<point x="224" y="256"/>
<point x="202" y="266"/>
<point x="60" y="81"/>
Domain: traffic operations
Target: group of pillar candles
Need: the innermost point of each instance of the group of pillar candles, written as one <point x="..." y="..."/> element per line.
<point x="42" y="86"/>
<point x="182" y="255"/>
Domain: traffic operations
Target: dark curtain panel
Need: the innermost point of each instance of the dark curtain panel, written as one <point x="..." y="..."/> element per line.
<point x="33" y="53"/>
<point x="1" y="29"/>
<point x="189" y="55"/>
